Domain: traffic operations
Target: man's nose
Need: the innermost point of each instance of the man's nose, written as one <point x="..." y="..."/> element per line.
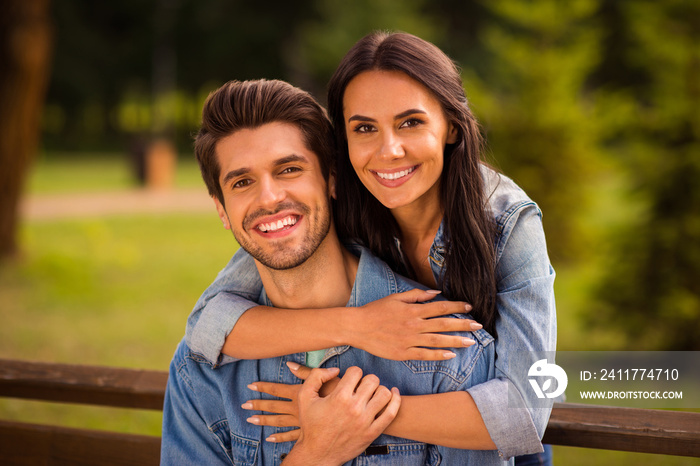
<point x="271" y="192"/>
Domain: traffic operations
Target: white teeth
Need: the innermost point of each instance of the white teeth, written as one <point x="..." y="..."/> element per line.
<point x="274" y="226"/>
<point x="394" y="176"/>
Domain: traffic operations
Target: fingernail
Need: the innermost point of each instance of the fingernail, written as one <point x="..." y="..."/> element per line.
<point x="271" y="438"/>
<point x="467" y="341"/>
<point x="247" y="405"/>
<point x="448" y="355"/>
<point x="253" y="387"/>
<point x="293" y="366"/>
<point x="395" y="390"/>
<point x="468" y="307"/>
<point x="253" y="420"/>
<point x="433" y="291"/>
<point x="476" y="326"/>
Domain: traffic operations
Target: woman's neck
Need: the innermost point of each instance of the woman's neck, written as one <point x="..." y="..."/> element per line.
<point x="419" y="223"/>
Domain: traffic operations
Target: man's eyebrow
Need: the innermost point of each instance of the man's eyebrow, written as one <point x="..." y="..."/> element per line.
<point x="403" y="114"/>
<point x="233" y="174"/>
<point x="291" y="158"/>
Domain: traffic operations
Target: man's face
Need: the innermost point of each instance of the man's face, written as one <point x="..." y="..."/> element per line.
<point x="276" y="198"/>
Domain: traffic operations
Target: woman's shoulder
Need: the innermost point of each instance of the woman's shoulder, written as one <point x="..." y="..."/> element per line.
<point x="504" y="196"/>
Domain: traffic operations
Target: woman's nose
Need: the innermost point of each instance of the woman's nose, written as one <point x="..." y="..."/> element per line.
<point x="392" y="147"/>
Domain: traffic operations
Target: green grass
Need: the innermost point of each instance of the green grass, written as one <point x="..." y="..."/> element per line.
<point x="110" y="292"/>
<point x="79" y="173"/>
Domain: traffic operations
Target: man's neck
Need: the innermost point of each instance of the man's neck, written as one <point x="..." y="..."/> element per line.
<point x="324" y="280"/>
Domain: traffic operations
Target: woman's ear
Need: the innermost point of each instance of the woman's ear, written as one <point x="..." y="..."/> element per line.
<point x="222" y="213"/>
<point x="452" y="134"/>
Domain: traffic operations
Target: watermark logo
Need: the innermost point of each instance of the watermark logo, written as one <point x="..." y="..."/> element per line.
<point x="542" y="369"/>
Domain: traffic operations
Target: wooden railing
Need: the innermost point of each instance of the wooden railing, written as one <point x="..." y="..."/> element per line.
<point x="627" y="429"/>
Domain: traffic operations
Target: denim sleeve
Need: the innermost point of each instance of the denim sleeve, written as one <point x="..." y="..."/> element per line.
<point x="186" y="437"/>
<point x="235" y="290"/>
<point x="526" y="328"/>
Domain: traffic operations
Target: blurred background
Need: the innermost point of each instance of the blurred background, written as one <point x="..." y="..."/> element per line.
<point x="107" y="236"/>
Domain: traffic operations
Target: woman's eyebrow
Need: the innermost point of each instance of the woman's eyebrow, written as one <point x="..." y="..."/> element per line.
<point x="403" y="114"/>
<point x="410" y="111"/>
<point x="360" y="118"/>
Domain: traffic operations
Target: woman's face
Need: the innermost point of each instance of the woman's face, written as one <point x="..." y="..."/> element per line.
<point x="396" y="131"/>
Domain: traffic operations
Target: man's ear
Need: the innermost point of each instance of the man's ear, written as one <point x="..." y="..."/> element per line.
<point x="331" y="185"/>
<point x="452" y="134"/>
<point x="222" y="213"/>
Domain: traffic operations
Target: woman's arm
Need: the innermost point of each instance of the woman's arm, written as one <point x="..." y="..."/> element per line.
<point x="449" y="419"/>
<point x="227" y="320"/>
<point x="526" y="332"/>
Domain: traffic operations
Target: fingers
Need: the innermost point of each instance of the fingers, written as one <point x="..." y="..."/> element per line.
<point x="379" y="400"/>
<point x="390" y="411"/>
<point x="298" y="370"/>
<point x="315" y="381"/>
<point x="350" y="380"/>
<point x="417" y="296"/>
<point x="448" y="324"/>
<point x="436" y="340"/>
<point x="275" y="420"/>
<point x="367" y="387"/>
<point x="280" y="390"/>
<point x="441" y="308"/>
<point x="290" y="436"/>
<point x="271" y="406"/>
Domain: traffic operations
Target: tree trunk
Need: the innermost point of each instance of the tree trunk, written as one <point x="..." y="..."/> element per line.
<point x="25" y="43"/>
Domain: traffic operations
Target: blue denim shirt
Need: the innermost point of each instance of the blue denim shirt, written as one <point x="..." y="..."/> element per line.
<point x="203" y="422"/>
<point x="526" y="326"/>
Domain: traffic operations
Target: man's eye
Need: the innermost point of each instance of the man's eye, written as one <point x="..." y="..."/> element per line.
<point x="290" y="170"/>
<point x="241" y="183"/>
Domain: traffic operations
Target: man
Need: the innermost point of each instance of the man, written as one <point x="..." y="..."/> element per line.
<point x="264" y="150"/>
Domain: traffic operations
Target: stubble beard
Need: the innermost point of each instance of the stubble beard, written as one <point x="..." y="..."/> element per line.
<point x="281" y="256"/>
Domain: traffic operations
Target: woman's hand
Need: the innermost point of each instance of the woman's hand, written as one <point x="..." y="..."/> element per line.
<point x="284" y="413"/>
<point x="400" y="328"/>
<point x="341" y="425"/>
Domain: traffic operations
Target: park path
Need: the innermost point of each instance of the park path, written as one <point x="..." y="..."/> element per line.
<point x="125" y="202"/>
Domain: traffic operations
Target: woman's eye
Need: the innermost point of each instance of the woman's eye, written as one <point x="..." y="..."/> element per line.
<point x="411" y="122"/>
<point x="364" y="128"/>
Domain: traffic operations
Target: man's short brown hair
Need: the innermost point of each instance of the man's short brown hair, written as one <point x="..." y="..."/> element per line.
<point x="249" y="104"/>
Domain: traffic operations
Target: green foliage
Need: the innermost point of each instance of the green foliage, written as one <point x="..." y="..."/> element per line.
<point x="652" y="288"/>
<point x="537" y="110"/>
<point x="324" y="40"/>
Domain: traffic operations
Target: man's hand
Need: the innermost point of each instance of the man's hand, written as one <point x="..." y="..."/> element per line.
<point x="400" y="328"/>
<point x="341" y="425"/>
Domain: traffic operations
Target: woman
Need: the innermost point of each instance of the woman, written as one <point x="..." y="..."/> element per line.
<point x="410" y="158"/>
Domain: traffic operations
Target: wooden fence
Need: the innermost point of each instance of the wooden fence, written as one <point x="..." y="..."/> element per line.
<point x="627" y="429"/>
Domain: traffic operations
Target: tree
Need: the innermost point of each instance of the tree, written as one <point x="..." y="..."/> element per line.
<point x="25" y="38"/>
<point x="652" y="289"/>
<point x="534" y="105"/>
